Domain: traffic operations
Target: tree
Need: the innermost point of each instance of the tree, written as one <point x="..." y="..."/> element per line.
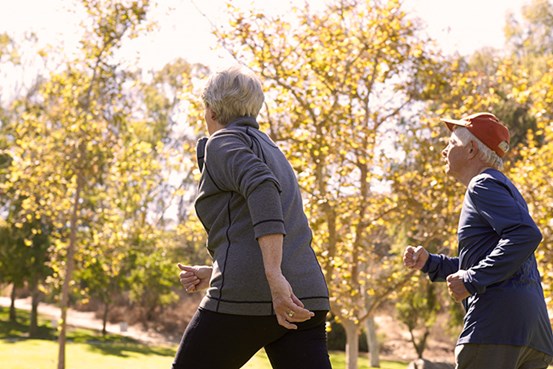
<point x="417" y="308"/>
<point x="10" y="260"/>
<point x="533" y="35"/>
<point x="531" y="173"/>
<point x="337" y="82"/>
<point x="152" y="282"/>
<point x="63" y="143"/>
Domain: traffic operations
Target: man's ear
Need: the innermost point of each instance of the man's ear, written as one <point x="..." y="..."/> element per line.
<point x="473" y="149"/>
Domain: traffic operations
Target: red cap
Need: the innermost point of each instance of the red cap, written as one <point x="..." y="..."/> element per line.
<point x="487" y="128"/>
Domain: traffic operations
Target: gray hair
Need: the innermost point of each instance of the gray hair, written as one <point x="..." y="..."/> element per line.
<point x="232" y="93"/>
<point x="486" y="154"/>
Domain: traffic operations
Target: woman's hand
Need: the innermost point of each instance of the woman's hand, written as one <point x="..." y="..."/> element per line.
<point x="194" y="278"/>
<point x="288" y="308"/>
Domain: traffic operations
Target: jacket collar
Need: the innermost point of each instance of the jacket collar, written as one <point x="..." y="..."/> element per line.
<point x="243" y="122"/>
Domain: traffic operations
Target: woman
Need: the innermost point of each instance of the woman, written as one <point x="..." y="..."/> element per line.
<point x="265" y="288"/>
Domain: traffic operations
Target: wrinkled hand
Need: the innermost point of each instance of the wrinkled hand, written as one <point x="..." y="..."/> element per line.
<point x="415" y="257"/>
<point x="288" y="308"/>
<point x="194" y="278"/>
<point x="456" y="286"/>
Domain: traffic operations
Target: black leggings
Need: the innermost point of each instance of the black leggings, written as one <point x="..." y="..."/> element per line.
<point x="223" y="341"/>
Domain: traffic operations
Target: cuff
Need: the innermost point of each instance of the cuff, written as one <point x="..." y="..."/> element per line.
<point x="469" y="282"/>
<point x="432" y="263"/>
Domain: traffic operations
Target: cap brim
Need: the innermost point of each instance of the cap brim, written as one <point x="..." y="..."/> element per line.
<point x="457" y="122"/>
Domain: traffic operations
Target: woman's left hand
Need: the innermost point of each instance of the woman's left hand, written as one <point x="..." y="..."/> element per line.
<point x="288" y="308"/>
<point x="194" y="278"/>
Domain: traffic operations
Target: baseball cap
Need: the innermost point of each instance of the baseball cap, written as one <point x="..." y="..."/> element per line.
<point x="487" y="128"/>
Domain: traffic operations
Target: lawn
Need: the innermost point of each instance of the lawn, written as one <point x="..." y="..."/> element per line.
<point x="87" y="349"/>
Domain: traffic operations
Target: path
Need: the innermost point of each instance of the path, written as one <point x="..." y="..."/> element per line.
<point x="89" y="320"/>
<point x="396" y="339"/>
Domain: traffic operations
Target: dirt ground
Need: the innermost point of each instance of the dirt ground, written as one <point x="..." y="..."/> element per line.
<point x="395" y="340"/>
<point x="88" y="320"/>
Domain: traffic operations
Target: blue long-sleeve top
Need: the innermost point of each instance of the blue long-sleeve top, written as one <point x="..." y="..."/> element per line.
<point x="497" y="239"/>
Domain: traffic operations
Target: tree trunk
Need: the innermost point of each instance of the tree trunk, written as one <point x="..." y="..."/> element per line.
<point x="13" y="314"/>
<point x="372" y="341"/>
<point x="69" y="267"/>
<point x="105" y="319"/>
<point x="352" y="344"/>
<point x="35" y="299"/>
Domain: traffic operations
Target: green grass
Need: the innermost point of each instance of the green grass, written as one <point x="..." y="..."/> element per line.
<point x="337" y="358"/>
<point x="87" y="349"/>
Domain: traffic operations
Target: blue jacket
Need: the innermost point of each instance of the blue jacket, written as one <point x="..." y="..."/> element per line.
<point x="497" y="239"/>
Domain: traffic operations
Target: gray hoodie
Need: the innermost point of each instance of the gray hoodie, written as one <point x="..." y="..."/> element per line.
<point x="248" y="189"/>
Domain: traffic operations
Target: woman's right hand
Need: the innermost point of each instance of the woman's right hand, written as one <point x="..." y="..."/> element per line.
<point x="415" y="257"/>
<point x="194" y="278"/>
<point x="288" y="308"/>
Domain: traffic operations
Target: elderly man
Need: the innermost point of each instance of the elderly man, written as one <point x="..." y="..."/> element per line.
<point x="496" y="277"/>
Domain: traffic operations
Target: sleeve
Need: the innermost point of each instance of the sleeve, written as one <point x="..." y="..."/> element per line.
<point x="233" y="166"/>
<point x="507" y="213"/>
<point x="438" y="267"/>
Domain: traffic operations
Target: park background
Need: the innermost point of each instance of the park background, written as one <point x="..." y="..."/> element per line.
<point x="99" y="119"/>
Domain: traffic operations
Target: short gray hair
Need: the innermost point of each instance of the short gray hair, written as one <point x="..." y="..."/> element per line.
<point x="232" y="93"/>
<point x="486" y="154"/>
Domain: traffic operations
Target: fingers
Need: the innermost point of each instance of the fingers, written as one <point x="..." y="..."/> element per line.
<point x="188" y="278"/>
<point x="293" y="314"/>
<point x="418" y="252"/>
<point x="291" y="310"/>
<point x="186" y="268"/>
<point x="297" y="301"/>
<point x="456" y="286"/>
<point x="409" y="257"/>
<point x="414" y="257"/>
<point x="285" y="323"/>
<point x="297" y="314"/>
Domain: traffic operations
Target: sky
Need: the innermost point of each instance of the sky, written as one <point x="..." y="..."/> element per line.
<point x="185" y="25"/>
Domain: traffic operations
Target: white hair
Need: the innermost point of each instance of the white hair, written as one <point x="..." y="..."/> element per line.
<point x="232" y="93"/>
<point x="486" y="154"/>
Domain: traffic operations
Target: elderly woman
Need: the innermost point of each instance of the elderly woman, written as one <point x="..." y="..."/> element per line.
<point x="265" y="288"/>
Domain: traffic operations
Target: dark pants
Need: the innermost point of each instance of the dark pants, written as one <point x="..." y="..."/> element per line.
<point x="223" y="341"/>
<point x="475" y="356"/>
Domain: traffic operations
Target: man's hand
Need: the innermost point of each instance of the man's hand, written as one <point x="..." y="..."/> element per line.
<point x="195" y="278"/>
<point x="415" y="257"/>
<point x="456" y="286"/>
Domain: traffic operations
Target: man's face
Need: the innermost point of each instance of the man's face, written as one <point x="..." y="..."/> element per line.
<point x="455" y="155"/>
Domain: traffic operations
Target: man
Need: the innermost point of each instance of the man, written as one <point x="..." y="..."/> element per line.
<point x="506" y="325"/>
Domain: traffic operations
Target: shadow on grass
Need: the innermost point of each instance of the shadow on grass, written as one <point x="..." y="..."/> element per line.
<point x="123" y="350"/>
<point x="110" y="344"/>
<point x="13" y="331"/>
